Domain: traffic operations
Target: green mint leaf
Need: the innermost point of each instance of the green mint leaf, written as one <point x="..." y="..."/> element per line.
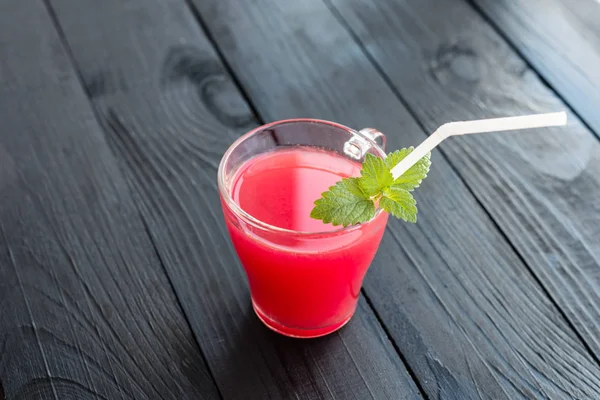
<point x="400" y="203"/>
<point x="344" y="204"/>
<point x="375" y="175"/>
<point x="414" y="176"/>
<point x="352" y="200"/>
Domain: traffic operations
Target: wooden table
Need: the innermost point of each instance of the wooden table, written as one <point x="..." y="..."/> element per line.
<point x="118" y="279"/>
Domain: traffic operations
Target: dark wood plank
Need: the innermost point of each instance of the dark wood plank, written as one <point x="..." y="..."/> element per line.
<point x="170" y="111"/>
<point x="87" y="310"/>
<point x="540" y="187"/>
<point x="459" y="303"/>
<point x="561" y="40"/>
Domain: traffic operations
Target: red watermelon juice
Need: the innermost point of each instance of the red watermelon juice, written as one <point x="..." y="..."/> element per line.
<point x="305" y="276"/>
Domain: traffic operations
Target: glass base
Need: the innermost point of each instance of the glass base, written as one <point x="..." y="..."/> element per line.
<point x="298" y="332"/>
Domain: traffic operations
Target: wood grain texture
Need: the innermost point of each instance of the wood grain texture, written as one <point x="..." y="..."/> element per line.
<point x="460" y="304"/>
<point x="540" y="187"/>
<point x="86" y="308"/>
<point x="561" y="40"/>
<point x="170" y="110"/>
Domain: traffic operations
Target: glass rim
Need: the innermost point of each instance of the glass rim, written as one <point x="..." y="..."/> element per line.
<point x="238" y="211"/>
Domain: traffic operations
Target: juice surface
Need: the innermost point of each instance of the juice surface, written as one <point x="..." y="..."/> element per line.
<point x="280" y="187"/>
<point x="300" y="286"/>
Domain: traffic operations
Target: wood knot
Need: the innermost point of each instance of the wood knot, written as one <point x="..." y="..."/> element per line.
<point x="456" y="62"/>
<point x="215" y="87"/>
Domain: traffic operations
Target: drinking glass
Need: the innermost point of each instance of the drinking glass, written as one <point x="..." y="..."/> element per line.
<point x="302" y="284"/>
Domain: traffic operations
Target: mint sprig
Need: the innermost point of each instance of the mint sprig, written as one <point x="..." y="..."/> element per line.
<point x="353" y="200"/>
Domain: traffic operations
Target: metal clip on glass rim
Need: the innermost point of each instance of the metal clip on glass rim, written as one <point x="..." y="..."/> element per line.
<point x="357" y="147"/>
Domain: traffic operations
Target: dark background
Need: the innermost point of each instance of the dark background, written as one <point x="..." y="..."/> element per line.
<point x="117" y="277"/>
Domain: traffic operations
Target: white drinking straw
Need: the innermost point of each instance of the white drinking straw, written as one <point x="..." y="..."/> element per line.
<point x="477" y="126"/>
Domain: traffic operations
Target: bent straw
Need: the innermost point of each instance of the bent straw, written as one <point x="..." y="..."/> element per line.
<point x="477" y="126"/>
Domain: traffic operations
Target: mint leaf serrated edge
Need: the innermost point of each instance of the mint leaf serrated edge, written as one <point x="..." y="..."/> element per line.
<point x="344" y="204"/>
<point x="413" y="177"/>
<point x="400" y="203"/>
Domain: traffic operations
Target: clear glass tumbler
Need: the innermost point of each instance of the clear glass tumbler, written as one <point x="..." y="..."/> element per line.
<point x="303" y="284"/>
